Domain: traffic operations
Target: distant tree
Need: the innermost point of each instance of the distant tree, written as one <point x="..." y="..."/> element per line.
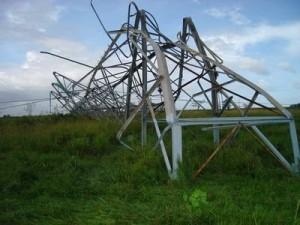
<point x="295" y="105"/>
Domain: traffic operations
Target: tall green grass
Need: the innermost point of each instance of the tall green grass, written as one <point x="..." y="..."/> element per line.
<point x="71" y="170"/>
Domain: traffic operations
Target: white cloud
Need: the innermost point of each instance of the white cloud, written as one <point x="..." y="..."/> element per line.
<point x="27" y="19"/>
<point x="54" y="15"/>
<point x="42" y="30"/>
<point x="32" y="78"/>
<point x="33" y="12"/>
<point x="234" y="55"/>
<point x="263" y="84"/>
<point x="197" y="1"/>
<point x="14" y="19"/>
<point x="254" y="65"/>
<point x="251" y="35"/>
<point x="25" y="23"/>
<point x="63" y="45"/>
<point x="232" y="46"/>
<point x="297" y="85"/>
<point x="287" y="32"/>
<point x="36" y="71"/>
<point x="31" y="57"/>
<point x="232" y="14"/>
<point x="293" y="47"/>
<point x="217" y="13"/>
<point x="285" y="66"/>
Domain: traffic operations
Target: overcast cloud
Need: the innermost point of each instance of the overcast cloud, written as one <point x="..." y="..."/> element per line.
<point x="28" y="27"/>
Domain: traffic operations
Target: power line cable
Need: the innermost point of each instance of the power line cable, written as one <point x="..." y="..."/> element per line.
<point x="24" y="104"/>
<point x="24" y="100"/>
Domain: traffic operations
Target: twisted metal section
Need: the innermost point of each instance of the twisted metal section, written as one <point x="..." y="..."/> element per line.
<point x="143" y="72"/>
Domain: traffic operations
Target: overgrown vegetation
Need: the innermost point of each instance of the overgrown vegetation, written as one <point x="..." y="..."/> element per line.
<point x="71" y="170"/>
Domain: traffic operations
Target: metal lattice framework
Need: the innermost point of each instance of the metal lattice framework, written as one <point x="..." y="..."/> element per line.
<point x="143" y="72"/>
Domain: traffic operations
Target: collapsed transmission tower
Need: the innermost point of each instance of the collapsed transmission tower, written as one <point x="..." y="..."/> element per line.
<point x="143" y="72"/>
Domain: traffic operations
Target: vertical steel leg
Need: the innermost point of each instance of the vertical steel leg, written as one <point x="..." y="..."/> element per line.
<point x="295" y="146"/>
<point x="176" y="149"/>
<point x="212" y="75"/>
<point x="216" y="135"/>
<point x="50" y="102"/>
<point x="131" y="71"/>
<point x="144" y="77"/>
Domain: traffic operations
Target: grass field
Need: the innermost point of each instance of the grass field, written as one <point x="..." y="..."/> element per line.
<point x="71" y="171"/>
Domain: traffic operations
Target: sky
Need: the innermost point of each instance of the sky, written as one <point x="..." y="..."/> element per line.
<point x="258" y="39"/>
